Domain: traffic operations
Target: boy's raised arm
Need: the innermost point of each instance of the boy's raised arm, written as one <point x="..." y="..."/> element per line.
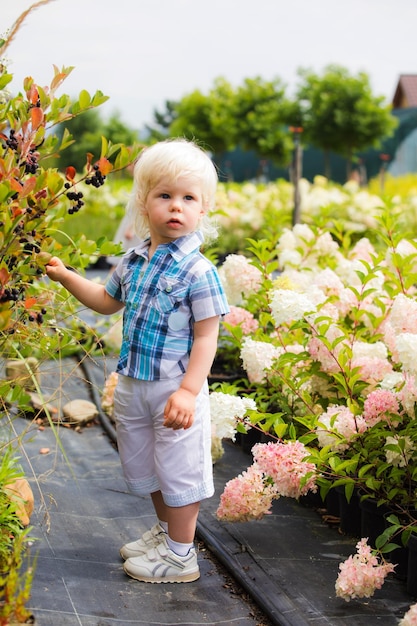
<point x="91" y="294"/>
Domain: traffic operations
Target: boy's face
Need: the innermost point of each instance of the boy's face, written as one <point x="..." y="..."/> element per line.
<point x="174" y="209"/>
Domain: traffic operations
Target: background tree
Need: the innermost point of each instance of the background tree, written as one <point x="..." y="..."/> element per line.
<point x="159" y="129"/>
<point x="340" y="113"/>
<point x="262" y="114"/>
<point x="255" y="116"/>
<point x="207" y="118"/>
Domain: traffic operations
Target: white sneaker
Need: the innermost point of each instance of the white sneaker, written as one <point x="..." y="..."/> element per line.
<point x="149" y="539"/>
<point x="162" y="565"/>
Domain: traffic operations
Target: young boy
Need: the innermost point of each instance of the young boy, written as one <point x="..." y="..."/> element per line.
<point x="172" y="300"/>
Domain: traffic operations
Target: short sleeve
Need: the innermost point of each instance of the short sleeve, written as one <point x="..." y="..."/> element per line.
<point x="207" y="296"/>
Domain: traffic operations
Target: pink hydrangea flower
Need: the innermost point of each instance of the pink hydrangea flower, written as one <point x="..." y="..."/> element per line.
<point x="247" y="497"/>
<point x="284" y="463"/>
<point x="363" y="250"/>
<point x="239" y="315"/>
<point x="407" y="395"/>
<point x="379" y="405"/>
<point x="320" y="352"/>
<point x="403" y="314"/>
<point x="410" y="618"/>
<point x="239" y="278"/>
<point x="372" y="369"/>
<point x="361" y="574"/>
<point x="329" y="282"/>
<point x="337" y="426"/>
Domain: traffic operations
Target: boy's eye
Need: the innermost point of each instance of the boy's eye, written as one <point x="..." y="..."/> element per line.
<point x="165" y="195"/>
<point x="189" y="197"/>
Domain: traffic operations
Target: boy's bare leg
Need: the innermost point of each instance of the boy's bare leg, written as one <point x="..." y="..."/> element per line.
<point x="181" y="520"/>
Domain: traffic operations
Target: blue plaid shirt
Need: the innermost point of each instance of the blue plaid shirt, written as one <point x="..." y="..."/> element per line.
<point x="163" y="298"/>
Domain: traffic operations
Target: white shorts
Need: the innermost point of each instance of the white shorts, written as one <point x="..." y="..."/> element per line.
<point x="155" y="458"/>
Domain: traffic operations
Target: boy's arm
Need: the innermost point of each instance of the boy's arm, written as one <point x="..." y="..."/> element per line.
<point x="91" y="294"/>
<point x="179" y="410"/>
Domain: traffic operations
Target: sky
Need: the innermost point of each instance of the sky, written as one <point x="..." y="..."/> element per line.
<point x="142" y="53"/>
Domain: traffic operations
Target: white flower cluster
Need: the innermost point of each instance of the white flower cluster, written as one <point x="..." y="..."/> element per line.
<point x="257" y="357"/>
<point x="226" y="410"/>
<point x="239" y="278"/>
<point x="296" y="245"/>
<point x="288" y="306"/>
<point x="399" y="450"/>
<point x="406" y="344"/>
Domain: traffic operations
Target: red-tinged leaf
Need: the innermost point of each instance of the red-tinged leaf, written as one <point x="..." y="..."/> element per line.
<point x="57" y="80"/>
<point x="90" y="157"/>
<point x="70" y="172"/>
<point x="28" y="186"/>
<point x="37" y="117"/>
<point x="15" y="185"/>
<point x="4" y="276"/>
<point x="104" y="166"/>
<point x="33" y="95"/>
<point x="29" y="302"/>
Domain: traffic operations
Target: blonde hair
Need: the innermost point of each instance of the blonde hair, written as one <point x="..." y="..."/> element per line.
<point x="171" y="159"/>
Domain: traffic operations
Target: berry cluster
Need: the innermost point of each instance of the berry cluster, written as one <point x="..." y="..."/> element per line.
<point x="29" y="246"/>
<point x="37" y="317"/>
<point x="31" y="163"/>
<point x="75" y="197"/>
<point x="97" y="179"/>
<point x="12" y="142"/>
<point x="10" y="295"/>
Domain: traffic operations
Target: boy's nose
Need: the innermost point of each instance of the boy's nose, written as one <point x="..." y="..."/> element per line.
<point x="176" y="204"/>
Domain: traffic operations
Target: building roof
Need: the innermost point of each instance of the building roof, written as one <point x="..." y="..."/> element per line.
<point x="406" y="93"/>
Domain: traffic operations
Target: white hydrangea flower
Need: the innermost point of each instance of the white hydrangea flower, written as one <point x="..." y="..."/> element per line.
<point x="377" y="350"/>
<point x="291" y="258"/>
<point x="406" y="345"/>
<point x="288" y="306"/>
<point x="257" y="357"/>
<point x="226" y="410"/>
<point x="399" y="458"/>
<point x="392" y="381"/>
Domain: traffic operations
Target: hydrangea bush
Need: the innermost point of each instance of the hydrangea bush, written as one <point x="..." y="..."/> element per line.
<point x="329" y="357"/>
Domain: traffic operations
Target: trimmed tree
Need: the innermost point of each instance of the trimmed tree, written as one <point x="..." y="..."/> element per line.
<point x="340" y="114"/>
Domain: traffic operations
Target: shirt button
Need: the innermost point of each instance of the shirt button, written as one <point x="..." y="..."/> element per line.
<point x="168" y="289"/>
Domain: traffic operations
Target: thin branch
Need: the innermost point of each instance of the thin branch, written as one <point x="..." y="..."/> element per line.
<point x="17" y="24"/>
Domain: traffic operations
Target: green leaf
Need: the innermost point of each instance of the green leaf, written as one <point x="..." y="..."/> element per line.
<point x="84" y="99"/>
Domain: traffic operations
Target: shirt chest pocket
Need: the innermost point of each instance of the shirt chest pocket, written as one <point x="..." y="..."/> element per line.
<point x="169" y="294"/>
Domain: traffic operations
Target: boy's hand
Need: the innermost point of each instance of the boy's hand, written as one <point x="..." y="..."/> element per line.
<point x="179" y="410"/>
<point x="55" y="269"/>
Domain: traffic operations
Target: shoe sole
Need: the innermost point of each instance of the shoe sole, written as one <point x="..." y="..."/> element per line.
<point x="187" y="578"/>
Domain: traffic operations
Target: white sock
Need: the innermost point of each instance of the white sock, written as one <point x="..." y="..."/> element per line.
<point x="181" y="549"/>
<point x="163" y="525"/>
